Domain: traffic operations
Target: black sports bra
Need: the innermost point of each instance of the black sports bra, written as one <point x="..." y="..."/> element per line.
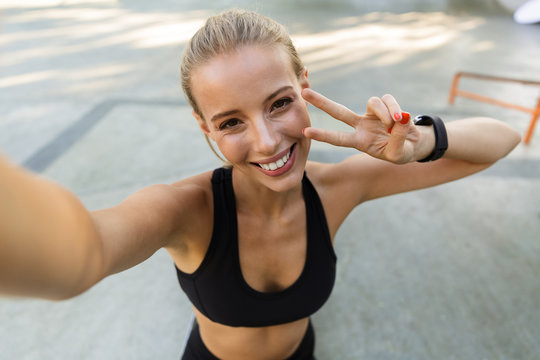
<point x="218" y="289"/>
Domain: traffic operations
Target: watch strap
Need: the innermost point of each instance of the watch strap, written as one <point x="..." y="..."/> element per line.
<point x="441" y="138"/>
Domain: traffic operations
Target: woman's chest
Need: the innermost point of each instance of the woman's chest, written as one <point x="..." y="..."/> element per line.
<point x="272" y="253"/>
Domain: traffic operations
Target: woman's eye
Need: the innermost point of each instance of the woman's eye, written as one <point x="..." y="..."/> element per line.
<point x="228" y="124"/>
<point x="281" y="103"/>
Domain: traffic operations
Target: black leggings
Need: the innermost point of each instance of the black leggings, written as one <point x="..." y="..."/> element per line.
<point x="196" y="350"/>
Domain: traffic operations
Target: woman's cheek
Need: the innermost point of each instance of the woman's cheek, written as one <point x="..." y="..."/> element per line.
<point x="232" y="147"/>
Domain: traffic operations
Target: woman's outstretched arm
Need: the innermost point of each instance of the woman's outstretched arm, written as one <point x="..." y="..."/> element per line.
<point x="52" y="247"/>
<point x="48" y="244"/>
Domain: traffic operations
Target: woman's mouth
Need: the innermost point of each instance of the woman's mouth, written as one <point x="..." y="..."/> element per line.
<point x="277" y="164"/>
<point x="274" y="167"/>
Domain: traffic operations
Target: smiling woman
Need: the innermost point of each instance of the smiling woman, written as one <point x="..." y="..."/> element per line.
<point x="255" y="123"/>
<point x="253" y="244"/>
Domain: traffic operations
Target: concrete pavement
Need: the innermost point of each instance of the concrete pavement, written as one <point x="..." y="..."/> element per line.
<point x="90" y="97"/>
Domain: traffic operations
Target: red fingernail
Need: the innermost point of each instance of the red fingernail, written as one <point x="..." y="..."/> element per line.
<point x="390" y="130"/>
<point x="406" y="117"/>
<point x="396" y="116"/>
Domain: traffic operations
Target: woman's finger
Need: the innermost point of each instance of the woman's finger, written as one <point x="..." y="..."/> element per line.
<point x="395" y="149"/>
<point x="330" y="107"/>
<point x="376" y="107"/>
<point x="392" y="107"/>
<point x="337" y="138"/>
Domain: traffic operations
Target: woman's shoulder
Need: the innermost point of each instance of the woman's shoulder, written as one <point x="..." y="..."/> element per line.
<point x="194" y="194"/>
<point x="179" y="206"/>
<point x="199" y="184"/>
<point x="195" y="190"/>
<point x="335" y="175"/>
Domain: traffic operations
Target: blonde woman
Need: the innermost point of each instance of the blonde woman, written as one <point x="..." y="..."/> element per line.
<point x="252" y="241"/>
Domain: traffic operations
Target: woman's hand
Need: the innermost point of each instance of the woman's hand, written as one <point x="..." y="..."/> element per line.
<point x="383" y="131"/>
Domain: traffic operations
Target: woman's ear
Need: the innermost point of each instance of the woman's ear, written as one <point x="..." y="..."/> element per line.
<point x="304" y="82"/>
<point x="202" y="124"/>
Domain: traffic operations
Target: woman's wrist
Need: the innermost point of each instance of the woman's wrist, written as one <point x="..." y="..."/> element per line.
<point x="439" y="132"/>
<point x="426" y="142"/>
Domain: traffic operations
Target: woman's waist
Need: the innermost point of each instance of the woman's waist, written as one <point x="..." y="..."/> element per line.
<point x="270" y="342"/>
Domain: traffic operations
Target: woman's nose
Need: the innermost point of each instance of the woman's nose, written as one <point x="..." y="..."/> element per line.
<point x="266" y="138"/>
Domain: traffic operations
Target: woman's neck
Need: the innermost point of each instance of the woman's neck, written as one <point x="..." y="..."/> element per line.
<point x="252" y="196"/>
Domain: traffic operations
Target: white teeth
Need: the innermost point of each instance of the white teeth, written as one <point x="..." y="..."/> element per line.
<point x="278" y="164"/>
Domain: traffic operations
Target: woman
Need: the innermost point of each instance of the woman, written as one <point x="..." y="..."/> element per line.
<point x="253" y="241"/>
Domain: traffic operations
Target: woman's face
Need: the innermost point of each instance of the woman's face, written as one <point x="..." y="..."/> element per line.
<point x="252" y="108"/>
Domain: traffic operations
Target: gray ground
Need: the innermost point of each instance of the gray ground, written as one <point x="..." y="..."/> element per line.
<point x="89" y="97"/>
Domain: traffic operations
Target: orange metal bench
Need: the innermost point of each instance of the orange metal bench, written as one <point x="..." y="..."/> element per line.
<point x="535" y="112"/>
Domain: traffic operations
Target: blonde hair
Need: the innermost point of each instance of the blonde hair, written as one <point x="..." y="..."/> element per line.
<point x="226" y="32"/>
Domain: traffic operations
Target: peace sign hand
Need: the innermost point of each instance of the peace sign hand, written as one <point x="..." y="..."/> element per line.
<point x="383" y="131"/>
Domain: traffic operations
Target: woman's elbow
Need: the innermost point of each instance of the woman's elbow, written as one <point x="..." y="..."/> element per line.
<point x="512" y="139"/>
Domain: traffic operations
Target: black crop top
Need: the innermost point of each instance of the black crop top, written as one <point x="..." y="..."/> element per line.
<point x="218" y="289"/>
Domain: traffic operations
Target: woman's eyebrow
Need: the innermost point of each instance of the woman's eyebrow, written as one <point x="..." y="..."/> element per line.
<point x="223" y="114"/>
<point x="231" y="112"/>
<point x="283" y="88"/>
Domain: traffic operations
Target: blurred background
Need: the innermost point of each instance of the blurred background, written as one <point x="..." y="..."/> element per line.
<point x="90" y="98"/>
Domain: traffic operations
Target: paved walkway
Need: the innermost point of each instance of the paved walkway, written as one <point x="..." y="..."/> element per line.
<point x="90" y="97"/>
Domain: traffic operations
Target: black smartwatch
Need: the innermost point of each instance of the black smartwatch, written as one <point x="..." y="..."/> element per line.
<point x="441" y="139"/>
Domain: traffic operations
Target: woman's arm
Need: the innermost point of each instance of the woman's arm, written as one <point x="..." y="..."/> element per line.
<point x="479" y="140"/>
<point x="474" y="144"/>
<point x="48" y="244"/>
<point x="52" y="247"/>
<point x="394" y="146"/>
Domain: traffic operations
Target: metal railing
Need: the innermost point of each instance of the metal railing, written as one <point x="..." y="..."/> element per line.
<point x="535" y="111"/>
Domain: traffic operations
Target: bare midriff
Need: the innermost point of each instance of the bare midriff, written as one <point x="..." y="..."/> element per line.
<point x="271" y="342"/>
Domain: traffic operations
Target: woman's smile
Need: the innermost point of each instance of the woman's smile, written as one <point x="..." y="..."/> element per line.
<point x="278" y="164"/>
